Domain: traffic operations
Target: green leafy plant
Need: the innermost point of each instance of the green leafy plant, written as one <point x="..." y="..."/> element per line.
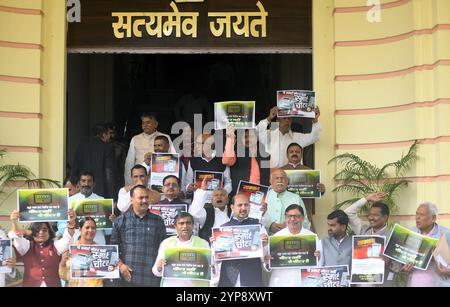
<point x="16" y="176"/>
<point x="359" y="177"/>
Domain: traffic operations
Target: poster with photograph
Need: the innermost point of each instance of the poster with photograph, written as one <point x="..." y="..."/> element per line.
<point x="168" y="212"/>
<point x="5" y="253"/>
<point x="43" y="205"/>
<point x="238" y="114"/>
<point x="296" y="103"/>
<point x="407" y="246"/>
<point x="367" y="263"/>
<point x="292" y="251"/>
<point x="162" y="165"/>
<point x="237" y="242"/>
<point x="326" y="277"/>
<point x="256" y="194"/>
<point x="99" y="209"/>
<point x="304" y="183"/>
<point x="94" y="261"/>
<point x="187" y="263"/>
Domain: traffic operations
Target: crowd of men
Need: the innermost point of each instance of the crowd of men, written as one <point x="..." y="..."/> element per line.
<point x="259" y="156"/>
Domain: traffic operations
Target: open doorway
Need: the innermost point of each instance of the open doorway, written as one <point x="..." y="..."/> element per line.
<point x="119" y="87"/>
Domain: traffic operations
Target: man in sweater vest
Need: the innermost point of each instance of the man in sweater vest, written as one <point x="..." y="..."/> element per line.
<point x="337" y="247"/>
<point x="142" y="143"/>
<point x="243" y="272"/>
<point x="184" y="223"/>
<point x="205" y="160"/>
<point x="209" y="215"/>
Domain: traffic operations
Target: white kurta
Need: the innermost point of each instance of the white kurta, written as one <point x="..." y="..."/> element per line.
<point x="290" y="277"/>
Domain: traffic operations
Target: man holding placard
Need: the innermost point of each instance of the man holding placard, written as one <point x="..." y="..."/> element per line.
<point x="291" y="276"/>
<point x="426" y="215"/>
<point x="86" y="183"/>
<point x="186" y="244"/>
<point x="277" y="140"/>
<point x="209" y="215"/>
<point x="378" y="225"/>
<point x="143" y="143"/>
<point x="295" y="165"/>
<point x="278" y="199"/>
<point x="242" y="272"/>
<point x="205" y="160"/>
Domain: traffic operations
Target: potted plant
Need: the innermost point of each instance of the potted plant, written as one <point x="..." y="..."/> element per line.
<point x="15" y="176"/>
<point x="359" y="177"/>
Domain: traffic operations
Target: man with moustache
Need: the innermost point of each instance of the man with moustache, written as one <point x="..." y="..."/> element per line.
<point x="86" y="184"/>
<point x="138" y="177"/>
<point x="138" y="233"/>
<point x="378" y="225"/>
<point x="278" y="199"/>
<point x="184" y="224"/>
<point x="337" y="247"/>
<point x="160" y="145"/>
<point x="291" y="277"/>
<point x="436" y="275"/>
<point x="242" y="272"/>
<point x="295" y="162"/>
<point x="209" y="215"/>
<point x="171" y="190"/>
<point x="277" y="141"/>
<point x="378" y="216"/>
<point x="143" y="143"/>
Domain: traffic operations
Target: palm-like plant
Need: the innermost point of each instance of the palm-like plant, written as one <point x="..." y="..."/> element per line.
<point x="19" y="176"/>
<point x="359" y="177"/>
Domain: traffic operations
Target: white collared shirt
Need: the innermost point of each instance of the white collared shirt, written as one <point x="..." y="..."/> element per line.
<point x="199" y="213"/>
<point x="276" y="143"/>
<point x="131" y="159"/>
<point x="161" y="252"/>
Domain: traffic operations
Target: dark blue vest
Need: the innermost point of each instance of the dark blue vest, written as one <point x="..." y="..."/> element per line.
<point x="250" y="270"/>
<point x="205" y="232"/>
<point x="215" y="165"/>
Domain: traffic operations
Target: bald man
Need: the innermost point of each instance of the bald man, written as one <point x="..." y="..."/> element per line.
<point x="278" y="199"/>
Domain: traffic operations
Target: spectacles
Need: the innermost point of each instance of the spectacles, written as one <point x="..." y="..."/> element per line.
<point x="171" y="185"/>
<point x="297" y="216"/>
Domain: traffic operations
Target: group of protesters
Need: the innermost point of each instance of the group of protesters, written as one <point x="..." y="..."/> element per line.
<point x="259" y="156"/>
